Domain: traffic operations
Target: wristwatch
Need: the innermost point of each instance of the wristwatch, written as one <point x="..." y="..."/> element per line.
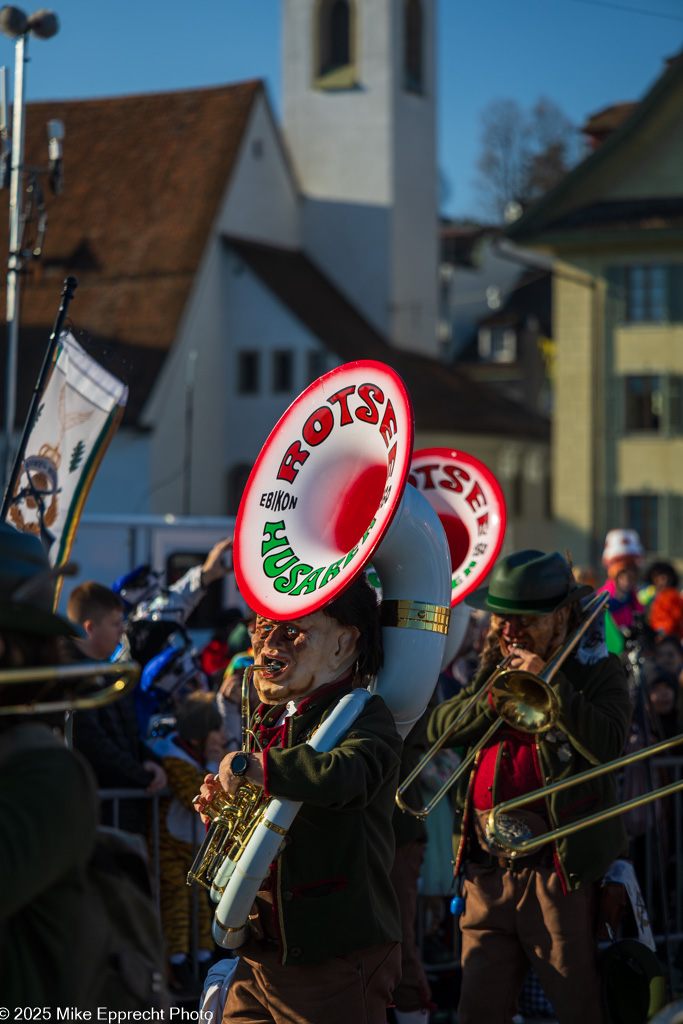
<point x="239" y="764"/>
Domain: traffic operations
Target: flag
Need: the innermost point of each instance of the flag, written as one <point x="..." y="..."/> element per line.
<point x="77" y="415"/>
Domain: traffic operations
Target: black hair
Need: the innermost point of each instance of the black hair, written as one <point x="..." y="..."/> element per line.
<point x="357" y="606"/>
<point x="663" y="569"/>
<point x="660" y="675"/>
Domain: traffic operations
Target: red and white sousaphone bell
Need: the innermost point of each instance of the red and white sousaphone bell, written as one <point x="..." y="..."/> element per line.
<point x="469" y="501"/>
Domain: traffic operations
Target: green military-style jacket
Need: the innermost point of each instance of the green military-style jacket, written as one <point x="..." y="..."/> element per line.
<point x="595" y="712"/>
<point x="331" y="888"/>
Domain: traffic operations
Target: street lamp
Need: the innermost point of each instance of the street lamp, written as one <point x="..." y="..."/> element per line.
<point x="43" y="24"/>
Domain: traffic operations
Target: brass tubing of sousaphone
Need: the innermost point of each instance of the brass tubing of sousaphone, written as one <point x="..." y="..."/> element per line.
<point x="543" y="710"/>
<point x="524" y="846"/>
<point x="125" y="673"/>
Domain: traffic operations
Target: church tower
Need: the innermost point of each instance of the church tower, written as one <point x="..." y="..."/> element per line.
<point x="360" y="121"/>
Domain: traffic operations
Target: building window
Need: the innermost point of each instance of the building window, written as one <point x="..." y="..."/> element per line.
<point x="497" y="344"/>
<point x="643" y="404"/>
<point x="413" y="37"/>
<point x="653" y="403"/>
<point x="642" y="514"/>
<point x="248" y="373"/>
<point x="646" y="294"/>
<point x="335" y="45"/>
<point x="282" y="371"/>
<point x="317" y="364"/>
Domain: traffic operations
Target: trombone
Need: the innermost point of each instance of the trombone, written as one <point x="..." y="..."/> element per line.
<point x="521" y="699"/>
<point x="526" y="844"/>
<point x="73" y="697"/>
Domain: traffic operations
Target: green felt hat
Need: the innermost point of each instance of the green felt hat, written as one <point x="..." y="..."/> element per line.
<point x="633" y="982"/>
<point x="27" y="587"/>
<point x="528" y="583"/>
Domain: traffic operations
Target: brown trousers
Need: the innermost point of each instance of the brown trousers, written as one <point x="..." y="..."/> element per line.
<point x="513" y="920"/>
<point x="413" y="993"/>
<point x="351" y="989"/>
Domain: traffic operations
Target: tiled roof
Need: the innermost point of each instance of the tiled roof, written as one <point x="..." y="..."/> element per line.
<point x="444" y="399"/>
<point x="606" y="121"/>
<point x="144" y="177"/>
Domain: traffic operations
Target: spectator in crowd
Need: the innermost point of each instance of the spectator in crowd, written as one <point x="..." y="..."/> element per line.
<point x="229" y="700"/>
<point x="585" y="575"/>
<point x="662" y="695"/>
<point x="108" y="736"/>
<point x="668" y="655"/>
<point x="195" y="747"/>
<point x="155" y="613"/>
<point x="412" y="997"/>
<point x="622" y="556"/>
<point x="665" y="609"/>
<point x="214" y="657"/>
<point x="48" y="800"/>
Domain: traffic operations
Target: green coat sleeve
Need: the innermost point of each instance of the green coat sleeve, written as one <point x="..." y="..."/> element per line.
<point x="595" y="708"/>
<point x="348" y="776"/>
<point x="472" y="726"/>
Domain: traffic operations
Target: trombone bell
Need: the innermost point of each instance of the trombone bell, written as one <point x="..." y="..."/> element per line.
<point x="524" y="701"/>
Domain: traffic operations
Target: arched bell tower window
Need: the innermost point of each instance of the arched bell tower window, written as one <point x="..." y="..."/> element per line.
<point x="335" y="56"/>
<point x="413" y="45"/>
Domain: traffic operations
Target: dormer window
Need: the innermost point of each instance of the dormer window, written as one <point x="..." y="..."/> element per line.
<point x="413" y="45"/>
<point x="335" y="56"/>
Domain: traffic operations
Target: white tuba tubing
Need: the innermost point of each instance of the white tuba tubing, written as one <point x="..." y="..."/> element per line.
<point x="230" y="924"/>
<point x="413" y="564"/>
<point x="457" y="627"/>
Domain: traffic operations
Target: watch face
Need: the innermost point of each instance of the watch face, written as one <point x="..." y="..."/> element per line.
<point x="239" y="764"/>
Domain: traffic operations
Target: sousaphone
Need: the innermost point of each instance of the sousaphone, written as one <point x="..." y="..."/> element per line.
<point x="470" y="505"/>
<point x="327" y="495"/>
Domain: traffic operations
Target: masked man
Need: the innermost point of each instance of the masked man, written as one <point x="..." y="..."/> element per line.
<point x="536" y="910"/>
<point x="325" y="927"/>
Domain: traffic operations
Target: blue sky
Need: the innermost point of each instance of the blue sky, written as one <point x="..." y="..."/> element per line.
<point x="583" y="54"/>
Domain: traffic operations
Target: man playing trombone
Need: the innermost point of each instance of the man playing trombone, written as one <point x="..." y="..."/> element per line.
<point x="537" y="909"/>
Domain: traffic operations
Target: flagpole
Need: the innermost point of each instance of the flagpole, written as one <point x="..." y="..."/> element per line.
<point x="70" y="285"/>
<point x="42" y="24"/>
<point x="14" y="264"/>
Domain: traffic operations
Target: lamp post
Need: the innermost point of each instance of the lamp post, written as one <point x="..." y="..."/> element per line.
<point x="16" y="25"/>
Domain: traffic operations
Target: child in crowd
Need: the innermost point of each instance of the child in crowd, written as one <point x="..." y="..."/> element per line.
<point x="622" y="556"/>
<point x="109" y="736"/>
<point x="665" y="610"/>
<point x="195" y="748"/>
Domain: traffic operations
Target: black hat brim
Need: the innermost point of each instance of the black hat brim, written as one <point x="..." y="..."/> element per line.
<point x="481" y="600"/>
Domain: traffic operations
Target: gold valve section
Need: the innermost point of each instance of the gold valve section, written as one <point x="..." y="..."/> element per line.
<point x="416" y="615"/>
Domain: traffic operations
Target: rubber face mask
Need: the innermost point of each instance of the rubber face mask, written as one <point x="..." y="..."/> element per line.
<point x="300" y="655"/>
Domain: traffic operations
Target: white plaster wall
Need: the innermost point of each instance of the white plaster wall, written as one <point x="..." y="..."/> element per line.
<point x="255" y="319"/>
<point x="350" y="243"/>
<point x="263" y="200"/>
<point x="340" y="141"/>
<point x="366" y="162"/>
<point x="201" y="331"/>
<point x="122" y="481"/>
<point x="414" y="243"/>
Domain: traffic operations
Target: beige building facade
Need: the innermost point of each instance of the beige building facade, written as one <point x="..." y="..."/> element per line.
<point x="614" y="228"/>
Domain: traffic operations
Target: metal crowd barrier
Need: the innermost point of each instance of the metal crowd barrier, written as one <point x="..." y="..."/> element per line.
<point x="114" y="797"/>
